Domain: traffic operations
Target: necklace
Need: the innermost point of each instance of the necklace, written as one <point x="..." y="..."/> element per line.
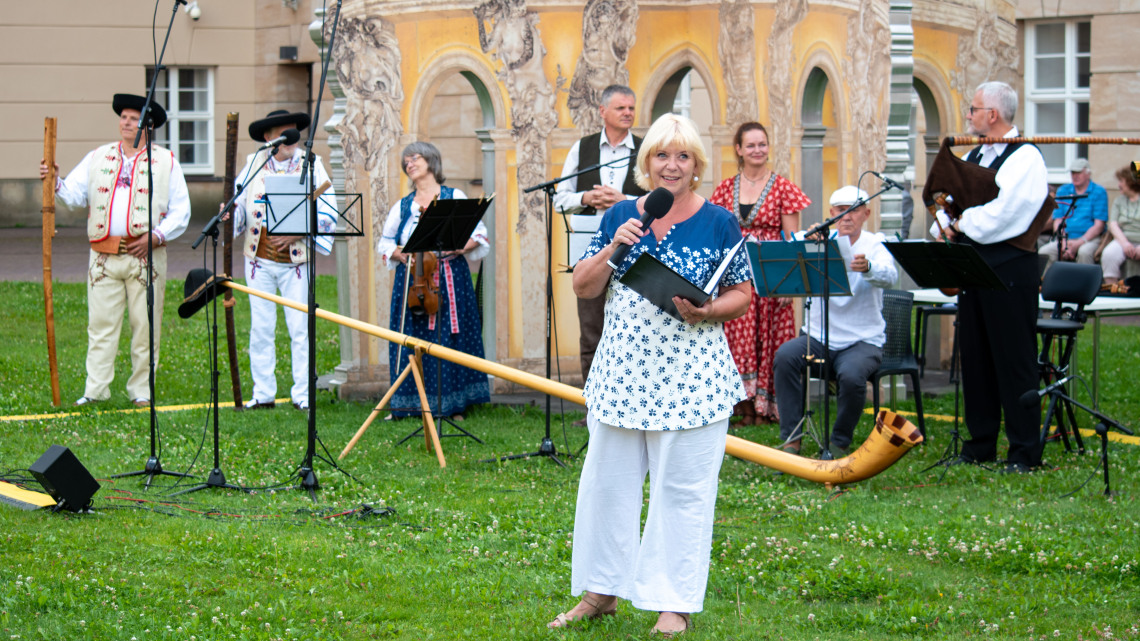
<point x="762" y="178"/>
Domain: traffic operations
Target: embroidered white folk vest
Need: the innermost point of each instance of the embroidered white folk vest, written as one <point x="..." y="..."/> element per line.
<point x="255" y="215"/>
<point x="103" y="176"/>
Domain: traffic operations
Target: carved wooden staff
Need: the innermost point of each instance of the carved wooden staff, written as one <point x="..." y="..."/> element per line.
<point x="49" y="232"/>
<point x="228" y="253"/>
<point x="958" y="141"/>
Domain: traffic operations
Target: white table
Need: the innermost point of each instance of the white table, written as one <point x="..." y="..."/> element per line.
<point x="1102" y="306"/>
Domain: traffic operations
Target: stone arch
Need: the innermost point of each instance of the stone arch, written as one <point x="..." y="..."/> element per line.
<point x="938" y="108"/>
<point x="493" y="116"/>
<point x="821" y="144"/>
<point x="667" y="70"/>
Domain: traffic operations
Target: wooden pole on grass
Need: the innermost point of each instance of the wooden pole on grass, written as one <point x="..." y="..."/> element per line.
<point x="49" y="233"/>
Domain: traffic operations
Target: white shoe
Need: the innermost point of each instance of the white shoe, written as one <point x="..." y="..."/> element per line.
<point x="303" y="405"/>
<point x="254" y="404"/>
<point x="83" y="400"/>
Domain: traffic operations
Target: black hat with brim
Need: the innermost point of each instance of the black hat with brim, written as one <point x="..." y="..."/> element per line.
<point x="123" y="101"/>
<point x="257" y="128"/>
<point x="201" y="287"/>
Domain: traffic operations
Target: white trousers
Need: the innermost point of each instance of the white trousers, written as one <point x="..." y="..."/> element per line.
<point x="664" y="568"/>
<point x="115" y="283"/>
<point x="292" y="280"/>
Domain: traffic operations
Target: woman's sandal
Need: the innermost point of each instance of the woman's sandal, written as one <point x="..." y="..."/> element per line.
<point x="669" y="634"/>
<point x="563" y="621"/>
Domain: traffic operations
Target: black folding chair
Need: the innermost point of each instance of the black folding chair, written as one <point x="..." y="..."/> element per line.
<point x="1069" y="286"/>
<point x="898" y="357"/>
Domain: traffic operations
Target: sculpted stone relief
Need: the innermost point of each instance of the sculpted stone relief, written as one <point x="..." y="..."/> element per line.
<point x="988" y="53"/>
<point x="510" y="33"/>
<point x="367" y="62"/>
<point x="608" y="28"/>
<point x="737" y="51"/>
<point x="778" y="71"/>
<point x="867" y="67"/>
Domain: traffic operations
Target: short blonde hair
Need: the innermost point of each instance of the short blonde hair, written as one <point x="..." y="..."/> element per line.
<point x="671" y="130"/>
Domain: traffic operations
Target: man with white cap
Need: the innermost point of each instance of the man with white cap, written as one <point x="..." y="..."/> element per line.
<point x="1086" y="222"/>
<point x="857" y="331"/>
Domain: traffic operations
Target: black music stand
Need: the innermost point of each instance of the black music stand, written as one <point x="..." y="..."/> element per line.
<point x="945" y="265"/>
<point x="801" y="269"/>
<point x="446" y="225"/>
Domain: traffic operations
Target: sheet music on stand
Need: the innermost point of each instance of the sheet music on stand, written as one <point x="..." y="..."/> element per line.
<point x="286" y="212"/>
<point x="447" y="225"/>
<point x="793" y="269"/>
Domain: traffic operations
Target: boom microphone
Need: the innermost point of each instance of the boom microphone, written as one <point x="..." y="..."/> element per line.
<point x="888" y="182"/>
<point x="287" y="137"/>
<point x="657" y="204"/>
<point x="1029" y="399"/>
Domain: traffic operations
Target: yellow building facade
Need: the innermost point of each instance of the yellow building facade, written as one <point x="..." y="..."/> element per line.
<point x="504" y="88"/>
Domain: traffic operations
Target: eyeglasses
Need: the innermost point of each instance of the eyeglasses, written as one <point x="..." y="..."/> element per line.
<point x="974" y="110"/>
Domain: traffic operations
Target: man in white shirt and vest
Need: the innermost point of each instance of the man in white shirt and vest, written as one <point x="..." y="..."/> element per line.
<point x="278" y="262"/>
<point x="857" y="332"/>
<point x="112" y="182"/>
<point x="596" y="191"/>
<point x="998" y="328"/>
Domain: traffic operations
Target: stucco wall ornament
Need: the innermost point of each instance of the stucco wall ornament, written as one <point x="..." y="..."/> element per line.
<point x="510" y="33"/>
<point x="367" y="62"/>
<point x="737" y="51"/>
<point x="608" y="28"/>
<point x="988" y="53"/>
<point x="778" y="71"/>
<point x="867" y="68"/>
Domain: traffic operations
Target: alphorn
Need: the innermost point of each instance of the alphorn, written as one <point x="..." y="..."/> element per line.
<point x="228" y="254"/>
<point x="48" y="233"/>
<point x="959" y="141"/>
<point x="892" y="437"/>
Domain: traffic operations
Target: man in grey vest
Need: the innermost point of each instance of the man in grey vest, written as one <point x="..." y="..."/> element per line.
<point x="596" y="191"/>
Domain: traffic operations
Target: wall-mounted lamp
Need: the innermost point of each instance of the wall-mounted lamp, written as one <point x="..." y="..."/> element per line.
<point x="193" y="10"/>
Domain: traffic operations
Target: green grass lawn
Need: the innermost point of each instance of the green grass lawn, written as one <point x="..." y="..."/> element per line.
<point x="403" y="549"/>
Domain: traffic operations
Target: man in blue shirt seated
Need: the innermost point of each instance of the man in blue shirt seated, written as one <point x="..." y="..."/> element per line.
<point x="1086" y="223"/>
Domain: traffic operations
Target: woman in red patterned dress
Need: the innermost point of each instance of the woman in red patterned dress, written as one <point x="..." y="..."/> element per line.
<point x="764" y="204"/>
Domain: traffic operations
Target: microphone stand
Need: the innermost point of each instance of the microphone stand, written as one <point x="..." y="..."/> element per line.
<point x="1103" y="424"/>
<point x="821" y="237"/>
<point x="153" y="466"/>
<point x="547" y="448"/>
<point x="305" y="473"/>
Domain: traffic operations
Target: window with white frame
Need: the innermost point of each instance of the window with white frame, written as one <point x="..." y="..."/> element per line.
<point x="187" y="94"/>
<point x="1057" y="74"/>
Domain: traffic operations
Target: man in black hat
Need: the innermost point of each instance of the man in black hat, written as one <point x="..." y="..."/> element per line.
<point x="277" y="263"/>
<point x="112" y="182"/>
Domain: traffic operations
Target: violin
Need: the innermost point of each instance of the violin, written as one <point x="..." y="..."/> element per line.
<point x="945" y="202"/>
<point x="423" y="293"/>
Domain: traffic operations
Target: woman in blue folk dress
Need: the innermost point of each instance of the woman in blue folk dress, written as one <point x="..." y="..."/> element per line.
<point x="659" y="397"/>
<point x="456" y="324"/>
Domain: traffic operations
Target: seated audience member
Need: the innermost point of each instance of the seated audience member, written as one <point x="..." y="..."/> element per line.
<point x="857" y="332"/>
<point x="1083" y="227"/>
<point x="1124" y="228"/>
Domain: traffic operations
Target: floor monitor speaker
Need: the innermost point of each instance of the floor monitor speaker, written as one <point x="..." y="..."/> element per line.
<point x="65" y="479"/>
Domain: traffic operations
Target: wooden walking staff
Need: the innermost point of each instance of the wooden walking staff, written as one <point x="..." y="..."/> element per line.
<point x="228" y="253"/>
<point x="49" y="232"/>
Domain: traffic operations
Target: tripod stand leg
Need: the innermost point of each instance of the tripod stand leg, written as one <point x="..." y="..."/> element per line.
<point x="376" y="411"/>
<point x="431" y="437"/>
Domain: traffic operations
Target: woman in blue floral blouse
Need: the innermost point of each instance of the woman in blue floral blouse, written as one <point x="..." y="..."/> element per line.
<point x="659" y="395"/>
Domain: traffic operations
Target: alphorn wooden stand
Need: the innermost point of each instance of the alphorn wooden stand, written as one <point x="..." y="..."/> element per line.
<point x="431" y="437"/>
<point x="48" y="234"/>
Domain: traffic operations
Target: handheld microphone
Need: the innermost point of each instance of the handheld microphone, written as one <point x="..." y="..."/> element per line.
<point x="287" y="137"/>
<point x="888" y="182"/>
<point x="1029" y="398"/>
<point x="657" y="204"/>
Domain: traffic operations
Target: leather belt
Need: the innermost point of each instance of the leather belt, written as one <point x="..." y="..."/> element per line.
<point x="114" y="245"/>
<point x="267" y="251"/>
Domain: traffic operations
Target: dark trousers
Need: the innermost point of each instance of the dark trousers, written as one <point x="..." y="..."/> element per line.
<point x="851" y="368"/>
<point x="591" y="319"/>
<point x="998" y="340"/>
